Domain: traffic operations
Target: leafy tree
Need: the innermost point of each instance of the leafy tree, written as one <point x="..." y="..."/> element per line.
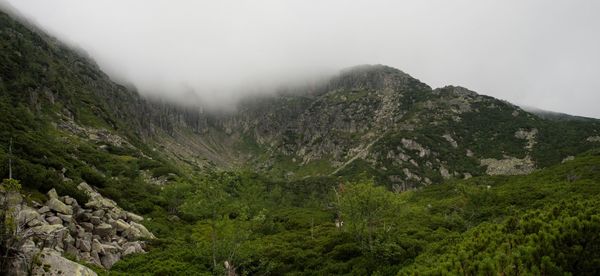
<point x="364" y="208"/>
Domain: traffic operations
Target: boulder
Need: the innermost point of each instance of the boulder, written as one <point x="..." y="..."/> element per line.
<point x="95" y="220"/>
<point x="70" y="201"/>
<point x="54" y="220"/>
<point x="47" y="229"/>
<point x="52" y="263"/>
<point x="132" y="248"/>
<point x="132" y="233"/>
<point x="110" y="249"/>
<point x="144" y="232"/>
<point x="84" y="216"/>
<point x="72" y="250"/>
<point x="97" y="246"/>
<point x="44" y="209"/>
<point x="58" y="206"/>
<point x="95" y="258"/>
<point x="68" y="240"/>
<point x="88" y="227"/>
<point x="134" y="217"/>
<point x="65" y="218"/>
<point x="121" y="225"/>
<point x="29" y="216"/>
<point x="103" y="230"/>
<point x="84" y="245"/>
<point x="52" y="194"/>
<point x="109" y="260"/>
<point x="99" y="213"/>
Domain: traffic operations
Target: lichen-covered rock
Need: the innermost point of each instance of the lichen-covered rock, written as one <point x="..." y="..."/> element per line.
<point x="54" y="220"/>
<point x="29" y="216"/>
<point x="109" y="260"/>
<point x="132" y="248"/>
<point x="134" y="217"/>
<point x="144" y="232"/>
<point x="93" y="235"/>
<point x="58" y="206"/>
<point x="121" y="225"/>
<point x="103" y="230"/>
<point x="52" y="263"/>
<point x="52" y="194"/>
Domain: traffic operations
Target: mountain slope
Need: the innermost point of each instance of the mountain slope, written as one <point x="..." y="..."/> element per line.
<point x="373" y="119"/>
<point x="187" y="169"/>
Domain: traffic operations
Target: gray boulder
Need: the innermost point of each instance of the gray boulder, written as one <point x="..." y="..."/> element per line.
<point x="54" y="220"/>
<point x="52" y="263"/>
<point x="29" y="216"/>
<point x="58" y="206"/>
<point x="52" y="194"/>
<point x="134" y="217"/>
<point x="44" y="209"/>
<point x="103" y="230"/>
<point x="109" y="260"/>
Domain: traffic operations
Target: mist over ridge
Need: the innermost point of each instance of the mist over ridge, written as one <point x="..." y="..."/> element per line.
<point x="532" y="53"/>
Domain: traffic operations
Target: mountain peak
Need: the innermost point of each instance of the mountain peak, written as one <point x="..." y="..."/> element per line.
<point x="371" y="77"/>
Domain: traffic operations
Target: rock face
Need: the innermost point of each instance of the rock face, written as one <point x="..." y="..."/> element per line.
<point x="100" y="234"/>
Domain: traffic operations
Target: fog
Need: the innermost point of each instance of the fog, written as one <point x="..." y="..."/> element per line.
<point x="537" y="53"/>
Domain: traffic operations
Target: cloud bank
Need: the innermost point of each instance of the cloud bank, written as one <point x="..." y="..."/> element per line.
<point x="537" y="53"/>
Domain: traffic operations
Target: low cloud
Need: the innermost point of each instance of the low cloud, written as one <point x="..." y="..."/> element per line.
<point x="536" y="52"/>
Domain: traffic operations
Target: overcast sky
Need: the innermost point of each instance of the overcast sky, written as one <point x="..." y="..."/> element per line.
<point x="538" y="52"/>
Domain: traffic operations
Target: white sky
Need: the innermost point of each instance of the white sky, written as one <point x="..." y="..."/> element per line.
<point x="532" y="52"/>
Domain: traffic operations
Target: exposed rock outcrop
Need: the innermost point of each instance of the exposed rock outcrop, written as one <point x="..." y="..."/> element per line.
<point x="100" y="233"/>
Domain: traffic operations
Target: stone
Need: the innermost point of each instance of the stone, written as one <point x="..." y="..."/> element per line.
<point x="132" y="233"/>
<point x="84" y="245"/>
<point x="70" y="201"/>
<point x="80" y="231"/>
<point x="99" y="213"/>
<point x="54" y="220"/>
<point x="52" y="194"/>
<point x="86" y="188"/>
<point x="72" y="250"/>
<point x="103" y="230"/>
<point x="144" y="232"/>
<point x="43" y="210"/>
<point x="66" y="218"/>
<point x="52" y="263"/>
<point x="109" y="248"/>
<point x="58" y="206"/>
<point x="88" y="227"/>
<point x="29" y="216"/>
<point x="97" y="246"/>
<point x="85" y="216"/>
<point x="47" y="229"/>
<point x="132" y="248"/>
<point x="68" y="240"/>
<point x="134" y="217"/>
<point x="109" y="260"/>
<point x="95" y="220"/>
<point x="95" y="258"/>
<point x="121" y="225"/>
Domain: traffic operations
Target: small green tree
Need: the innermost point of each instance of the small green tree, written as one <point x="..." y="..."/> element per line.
<point x="10" y="240"/>
<point x="364" y="208"/>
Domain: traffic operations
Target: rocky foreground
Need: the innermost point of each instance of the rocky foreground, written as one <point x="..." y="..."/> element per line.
<point x="46" y="236"/>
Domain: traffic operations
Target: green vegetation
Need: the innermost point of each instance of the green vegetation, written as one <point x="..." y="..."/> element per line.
<point x="543" y="223"/>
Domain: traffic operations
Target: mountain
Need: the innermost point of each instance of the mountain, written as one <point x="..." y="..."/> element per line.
<point x="278" y="158"/>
